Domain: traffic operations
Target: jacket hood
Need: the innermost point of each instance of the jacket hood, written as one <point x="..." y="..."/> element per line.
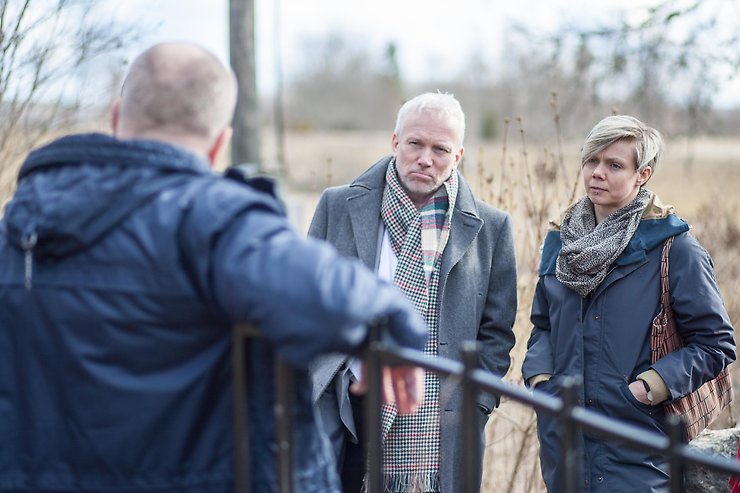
<point x="658" y="223"/>
<point x="654" y="210"/>
<point x="73" y="191"/>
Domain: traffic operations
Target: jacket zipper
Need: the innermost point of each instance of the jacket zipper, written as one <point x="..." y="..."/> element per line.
<point x="27" y="243"/>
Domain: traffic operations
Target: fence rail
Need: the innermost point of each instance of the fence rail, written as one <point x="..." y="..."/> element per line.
<point x="574" y="419"/>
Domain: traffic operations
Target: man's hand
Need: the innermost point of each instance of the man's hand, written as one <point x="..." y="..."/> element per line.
<point x="402" y="385"/>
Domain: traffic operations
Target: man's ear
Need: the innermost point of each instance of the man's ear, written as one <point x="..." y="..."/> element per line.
<point x="394" y="142"/>
<point x="219" y="144"/>
<point x="115" y="113"/>
<point x="458" y="156"/>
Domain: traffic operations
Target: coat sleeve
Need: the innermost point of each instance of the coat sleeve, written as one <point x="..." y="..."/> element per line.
<point x="701" y="319"/>
<point x="495" y="333"/>
<point x="539" y="359"/>
<point x="303" y="297"/>
<point x="320" y="220"/>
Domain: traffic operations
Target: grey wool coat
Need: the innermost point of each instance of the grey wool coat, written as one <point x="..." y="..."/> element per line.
<point x="477" y="293"/>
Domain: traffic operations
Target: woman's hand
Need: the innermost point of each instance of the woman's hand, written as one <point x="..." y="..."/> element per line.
<point x="639" y="392"/>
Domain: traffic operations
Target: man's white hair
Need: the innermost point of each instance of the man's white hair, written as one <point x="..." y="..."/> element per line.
<point x="443" y="105"/>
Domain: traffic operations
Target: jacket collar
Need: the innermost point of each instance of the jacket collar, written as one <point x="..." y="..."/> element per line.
<point x="658" y="223"/>
<point x="654" y="210"/>
<point x="73" y="191"/>
<point x="363" y="205"/>
<point x="364" y="209"/>
<point x="374" y="178"/>
<point x="105" y="149"/>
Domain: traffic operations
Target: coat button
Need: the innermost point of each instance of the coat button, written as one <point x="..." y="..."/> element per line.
<point x="597" y="317"/>
<point x="600" y="479"/>
<point x="590" y="402"/>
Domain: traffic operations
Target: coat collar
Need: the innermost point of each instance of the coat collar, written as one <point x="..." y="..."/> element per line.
<point x="363" y="205"/>
<point x="658" y="223"/>
<point x="96" y="181"/>
<point x="107" y="150"/>
<point x="364" y="201"/>
<point x="465" y="225"/>
<point x="655" y="209"/>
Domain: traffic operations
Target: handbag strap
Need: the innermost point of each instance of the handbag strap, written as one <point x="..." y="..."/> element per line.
<point x="664" y="336"/>
<point x="665" y="289"/>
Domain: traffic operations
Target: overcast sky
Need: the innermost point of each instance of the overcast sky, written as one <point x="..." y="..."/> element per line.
<point x="431" y="36"/>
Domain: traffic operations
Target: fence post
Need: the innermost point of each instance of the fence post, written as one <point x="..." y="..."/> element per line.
<point x="285" y="394"/>
<point x="469" y="419"/>
<point x="373" y="408"/>
<point x="677" y="437"/>
<point x="573" y="476"/>
<point x="242" y="480"/>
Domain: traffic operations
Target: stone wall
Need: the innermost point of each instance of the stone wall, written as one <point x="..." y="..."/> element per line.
<point x="719" y="442"/>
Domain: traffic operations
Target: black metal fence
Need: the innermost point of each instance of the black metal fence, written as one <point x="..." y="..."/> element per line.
<point x="574" y="419"/>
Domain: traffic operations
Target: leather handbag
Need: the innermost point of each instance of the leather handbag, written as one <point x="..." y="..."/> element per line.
<point x="701" y="407"/>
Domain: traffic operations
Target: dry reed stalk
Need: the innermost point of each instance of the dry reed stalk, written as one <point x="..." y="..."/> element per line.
<point x="520" y="456"/>
<point x="329" y="175"/>
<point x="481" y="172"/>
<point x="558" y="131"/>
<point x="504" y="147"/>
<point x="528" y="172"/>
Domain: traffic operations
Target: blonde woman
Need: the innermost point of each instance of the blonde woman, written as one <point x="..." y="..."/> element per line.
<point x="598" y="292"/>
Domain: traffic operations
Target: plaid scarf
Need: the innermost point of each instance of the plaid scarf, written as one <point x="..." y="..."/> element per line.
<point x="418" y="238"/>
<point x="589" y="249"/>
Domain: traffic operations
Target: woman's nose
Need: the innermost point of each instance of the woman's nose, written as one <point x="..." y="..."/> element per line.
<point x="598" y="171"/>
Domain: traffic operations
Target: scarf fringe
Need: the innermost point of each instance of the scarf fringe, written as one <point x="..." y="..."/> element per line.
<point x="406" y="482"/>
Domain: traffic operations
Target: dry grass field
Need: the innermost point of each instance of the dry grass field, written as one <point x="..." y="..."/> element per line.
<point x="699" y="177"/>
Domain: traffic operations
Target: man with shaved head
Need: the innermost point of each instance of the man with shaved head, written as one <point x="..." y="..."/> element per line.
<point x="175" y="92"/>
<point x="126" y="262"/>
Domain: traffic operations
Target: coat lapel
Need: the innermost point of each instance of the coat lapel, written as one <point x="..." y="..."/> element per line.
<point x="464" y="228"/>
<point x="363" y="205"/>
<point x="365" y="217"/>
<point x="364" y="211"/>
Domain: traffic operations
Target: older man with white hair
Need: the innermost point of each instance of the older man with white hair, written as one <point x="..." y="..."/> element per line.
<point x="413" y="219"/>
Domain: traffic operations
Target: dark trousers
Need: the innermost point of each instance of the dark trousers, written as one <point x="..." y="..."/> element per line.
<point x="352" y="468"/>
<point x="350" y="457"/>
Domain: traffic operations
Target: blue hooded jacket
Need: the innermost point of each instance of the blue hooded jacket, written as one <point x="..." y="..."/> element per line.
<point x="605" y="340"/>
<point x="125" y="266"/>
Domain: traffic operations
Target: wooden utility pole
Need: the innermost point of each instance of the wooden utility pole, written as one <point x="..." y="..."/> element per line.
<point x="279" y="109"/>
<point x="245" y="145"/>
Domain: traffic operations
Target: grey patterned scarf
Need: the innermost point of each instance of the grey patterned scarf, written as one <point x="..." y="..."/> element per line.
<point x="411" y="443"/>
<point x="589" y="249"/>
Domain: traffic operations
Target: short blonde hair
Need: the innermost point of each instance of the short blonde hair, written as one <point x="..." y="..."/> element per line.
<point x="647" y="141"/>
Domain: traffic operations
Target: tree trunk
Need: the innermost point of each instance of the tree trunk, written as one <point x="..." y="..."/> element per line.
<point x="245" y="145"/>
